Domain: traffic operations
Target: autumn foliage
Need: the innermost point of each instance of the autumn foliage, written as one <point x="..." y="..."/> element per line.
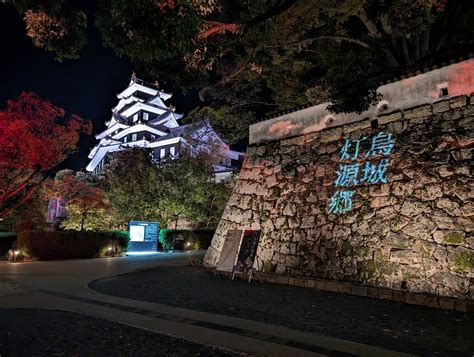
<point x="86" y="204"/>
<point x="35" y="137"/>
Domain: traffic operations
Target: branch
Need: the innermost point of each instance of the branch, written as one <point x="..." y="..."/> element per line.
<point x="369" y="25"/>
<point x="317" y="38"/>
<point x="218" y="28"/>
<point x="7" y="211"/>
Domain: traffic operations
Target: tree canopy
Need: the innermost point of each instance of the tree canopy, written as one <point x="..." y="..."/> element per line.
<point x="86" y="204"/>
<point x="140" y="188"/>
<point x="253" y="57"/>
<point x="35" y="137"/>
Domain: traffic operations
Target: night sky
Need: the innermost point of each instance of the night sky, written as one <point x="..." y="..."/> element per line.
<point x="87" y="86"/>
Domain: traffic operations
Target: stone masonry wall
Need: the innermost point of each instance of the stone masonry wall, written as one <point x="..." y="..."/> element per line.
<point x="413" y="233"/>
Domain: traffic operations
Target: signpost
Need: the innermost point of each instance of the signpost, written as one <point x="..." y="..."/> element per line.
<point x="247" y="253"/>
<point x="143" y="236"/>
<point x="229" y="251"/>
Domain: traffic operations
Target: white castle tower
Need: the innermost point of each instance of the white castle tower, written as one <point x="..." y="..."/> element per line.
<point x="142" y="119"/>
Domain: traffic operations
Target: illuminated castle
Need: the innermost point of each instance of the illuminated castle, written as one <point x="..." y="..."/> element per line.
<point x="142" y="119"/>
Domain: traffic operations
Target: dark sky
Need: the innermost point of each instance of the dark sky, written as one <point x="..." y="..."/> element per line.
<point x="87" y="86"/>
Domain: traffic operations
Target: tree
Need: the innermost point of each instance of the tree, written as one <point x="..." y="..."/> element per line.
<point x="186" y="186"/>
<point x="218" y="195"/>
<point x="63" y="35"/>
<point x="28" y="217"/>
<point x="130" y="181"/>
<point x="86" y="204"/>
<point x="253" y="57"/>
<point x="34" y="138"/>
<point x="140" y="188"/>
<point x="54" y="26"/>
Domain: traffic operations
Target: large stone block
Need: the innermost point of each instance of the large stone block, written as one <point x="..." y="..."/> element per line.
<point x="411" y="208"/>
<point x="421" y="228"/>
<point x="441" y="106"/>
<point x="449" y="206"/>
<point x="457" y="102"/>
<point x="420" y="112"/>
<point x="329" y="135"/>
<point x="397" y="240"/>
<point x="405" y="257"/>
<point x="388" y="118"/>
<point x="382" y="201"/>
<point x="456" y="284"/>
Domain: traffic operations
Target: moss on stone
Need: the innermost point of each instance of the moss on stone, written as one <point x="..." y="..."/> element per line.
<point x="395" y="228"/>
<point x="346" y="248"/>
<point x="464" y="261"/>
<point x="454" y="238"/>
<point x="267" y="266"/>
<point x="362" y="252"/>
<point x="368" y="269"/>
<point x="386" y="267"/>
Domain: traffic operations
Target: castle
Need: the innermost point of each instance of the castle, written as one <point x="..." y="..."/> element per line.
<point x="142" y="119"/>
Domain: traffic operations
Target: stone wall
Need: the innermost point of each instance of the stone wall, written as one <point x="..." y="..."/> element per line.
<point x="413" y="233"/>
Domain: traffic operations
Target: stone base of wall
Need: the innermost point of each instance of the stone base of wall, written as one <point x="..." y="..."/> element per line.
<point x="440" y="302"/>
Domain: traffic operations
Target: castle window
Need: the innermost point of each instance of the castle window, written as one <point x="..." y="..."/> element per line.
<point x="172" y="150"/>
<point x="145" y="116"/>
<point x="134" y="137"/>
<point x="135" y="118"/>
<point x="162" y="153"/>
<point x="443" y="89"/>
<point x="125" y="139"/>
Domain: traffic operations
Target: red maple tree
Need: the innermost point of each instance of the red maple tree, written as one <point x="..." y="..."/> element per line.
<point x="34" y="138"/>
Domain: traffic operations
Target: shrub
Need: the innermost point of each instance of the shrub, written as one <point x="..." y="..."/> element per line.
<point x="121" y="238"/>
<point x="71" y="244"/>
<point x="197" y="239"/>
<point x="166" y="238"/>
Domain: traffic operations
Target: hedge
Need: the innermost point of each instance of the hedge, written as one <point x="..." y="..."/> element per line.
<point x="71" y="244"/>
<point x="6" y="242"/>
<point x="193" y="239"/>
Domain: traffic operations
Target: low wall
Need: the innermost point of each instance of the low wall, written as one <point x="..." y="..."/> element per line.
<point x="403" y="221"/>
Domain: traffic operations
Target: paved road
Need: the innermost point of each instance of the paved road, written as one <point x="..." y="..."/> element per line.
<point x="62" y="285"/>
<point x="70" y="276"/>
<point x="393" y="325"/>
<point x="42" y="332"/>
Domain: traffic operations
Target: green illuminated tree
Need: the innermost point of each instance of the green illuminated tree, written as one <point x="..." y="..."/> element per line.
<point x="139" y="188"/>
<point x="131" y="184"/>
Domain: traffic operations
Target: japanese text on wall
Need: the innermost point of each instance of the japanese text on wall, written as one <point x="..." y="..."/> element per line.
<point x="352" y="173"/>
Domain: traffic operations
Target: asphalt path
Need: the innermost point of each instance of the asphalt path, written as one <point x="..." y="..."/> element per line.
<point x="64" y="286"/>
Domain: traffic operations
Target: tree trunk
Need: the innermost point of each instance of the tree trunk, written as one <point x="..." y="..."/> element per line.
<point x="425" y="42"/>
<point x="406" y="54"/>
<point x="83" y="218"/>
<point x="210" y="212"/>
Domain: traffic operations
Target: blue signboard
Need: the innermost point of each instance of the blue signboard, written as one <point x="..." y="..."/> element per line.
<point x="143" y="236"/>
